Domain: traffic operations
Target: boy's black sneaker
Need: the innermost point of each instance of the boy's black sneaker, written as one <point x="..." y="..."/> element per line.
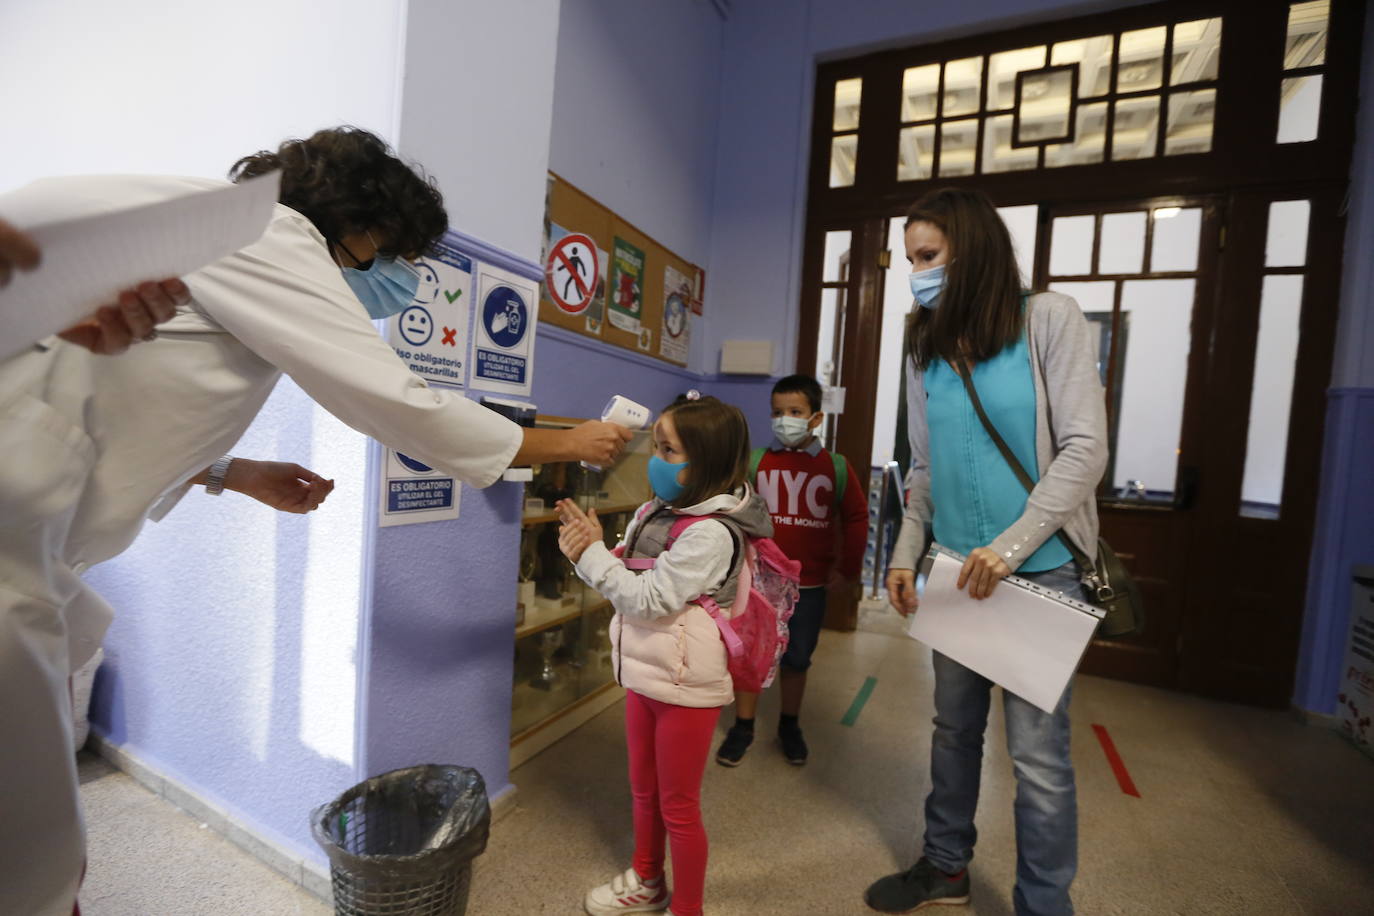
<point x="737" y="741"/>
<point x="793" y="745"/>
<point x="918" y="887"/>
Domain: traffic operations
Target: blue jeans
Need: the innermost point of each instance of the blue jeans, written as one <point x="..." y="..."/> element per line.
<point x="1046" y="801"/>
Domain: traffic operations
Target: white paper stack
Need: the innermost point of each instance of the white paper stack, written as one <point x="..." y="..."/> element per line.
<point x="1022" y="637"/>
<point x="88" y="261"/>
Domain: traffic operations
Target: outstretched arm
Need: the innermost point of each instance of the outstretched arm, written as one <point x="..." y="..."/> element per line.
<point x="279" y="484"/>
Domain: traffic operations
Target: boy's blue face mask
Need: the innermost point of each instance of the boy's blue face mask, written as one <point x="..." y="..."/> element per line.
<point x="386" y="287"/>
<point x="927" y="285"/>
<point x="663" y="478"/>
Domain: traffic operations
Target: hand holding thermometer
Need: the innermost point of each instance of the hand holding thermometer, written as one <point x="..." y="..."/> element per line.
<point x="627" y="413"/>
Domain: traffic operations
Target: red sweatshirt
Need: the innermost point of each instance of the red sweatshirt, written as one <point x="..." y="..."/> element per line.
<point x="799" y="487"/>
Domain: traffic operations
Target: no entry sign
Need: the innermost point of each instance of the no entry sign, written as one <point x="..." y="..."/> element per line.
<point x="571" y="273"/>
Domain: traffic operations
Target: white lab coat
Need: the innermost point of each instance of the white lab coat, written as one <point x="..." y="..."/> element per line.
<point x="90" y="446"/>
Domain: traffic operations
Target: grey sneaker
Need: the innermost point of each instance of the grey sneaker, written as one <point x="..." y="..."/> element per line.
<point x="918" y="887"/>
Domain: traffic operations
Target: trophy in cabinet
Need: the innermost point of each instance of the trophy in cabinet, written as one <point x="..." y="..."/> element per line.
<point x="550" y="641"/>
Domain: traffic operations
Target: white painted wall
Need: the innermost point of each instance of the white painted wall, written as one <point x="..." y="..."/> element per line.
<point x="478" y="97"/>
<point x="231" y="662"/>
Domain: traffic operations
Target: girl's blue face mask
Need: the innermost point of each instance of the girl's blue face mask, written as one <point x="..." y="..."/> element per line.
<point x="927" y="285"/>
<point x="386" y="287"/>
<point x="663" y="478"/>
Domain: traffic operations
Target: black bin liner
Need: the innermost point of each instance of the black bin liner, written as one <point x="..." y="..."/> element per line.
<point x="402" y="843"/>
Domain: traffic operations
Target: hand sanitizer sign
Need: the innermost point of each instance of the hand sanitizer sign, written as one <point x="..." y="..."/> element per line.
<point x="503" y="337"/>
<point x="412" y="492"/>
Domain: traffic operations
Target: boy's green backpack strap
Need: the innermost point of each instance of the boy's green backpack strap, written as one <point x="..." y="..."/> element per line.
<point x="754" y="458"/>
<point x="841" y="475"/>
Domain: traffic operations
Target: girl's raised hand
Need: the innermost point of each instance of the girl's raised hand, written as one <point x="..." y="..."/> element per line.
<point x="579" y="529"/>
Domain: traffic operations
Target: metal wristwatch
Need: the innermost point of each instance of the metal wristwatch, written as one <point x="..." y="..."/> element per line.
<point x="214" y="481"/>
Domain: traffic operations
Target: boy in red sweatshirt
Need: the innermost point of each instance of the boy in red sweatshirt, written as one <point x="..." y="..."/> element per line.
<point x="819" y="509"/>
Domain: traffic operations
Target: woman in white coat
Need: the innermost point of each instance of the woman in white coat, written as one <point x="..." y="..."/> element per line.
<point x="93" y="445"/>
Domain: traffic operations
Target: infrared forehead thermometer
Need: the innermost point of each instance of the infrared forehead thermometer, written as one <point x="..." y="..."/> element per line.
<point x="627" y="413"/>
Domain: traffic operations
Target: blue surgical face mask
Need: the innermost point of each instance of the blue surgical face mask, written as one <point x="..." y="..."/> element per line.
<point x="927" y="285"/>
<point x="386" y="287"/>
<point x="663" y="478"/>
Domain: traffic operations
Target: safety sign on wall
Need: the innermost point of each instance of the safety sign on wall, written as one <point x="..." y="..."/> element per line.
<point x="676" y="338"/>
<point x="431" y="334"/>
<point x="627" y="287"/>
<point x="414" y="492"/>
<point x="503" y="336"/>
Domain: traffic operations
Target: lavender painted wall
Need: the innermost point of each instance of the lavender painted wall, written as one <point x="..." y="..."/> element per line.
<point x="1345" y="510"/>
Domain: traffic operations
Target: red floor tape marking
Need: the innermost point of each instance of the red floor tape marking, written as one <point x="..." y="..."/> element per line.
<point x="1123" y="778"/>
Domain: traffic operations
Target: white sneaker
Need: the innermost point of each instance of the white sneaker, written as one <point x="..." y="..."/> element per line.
<point x="627" y="893"/>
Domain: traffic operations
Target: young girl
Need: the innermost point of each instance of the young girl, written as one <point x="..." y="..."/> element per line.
<point x="667" y="651"/>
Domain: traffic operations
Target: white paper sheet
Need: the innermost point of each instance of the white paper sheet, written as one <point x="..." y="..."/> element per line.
<point x="1023" y="637"/>
<point x="87" y="261"/>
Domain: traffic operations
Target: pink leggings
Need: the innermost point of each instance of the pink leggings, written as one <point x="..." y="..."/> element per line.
<point x="668" y="750"/>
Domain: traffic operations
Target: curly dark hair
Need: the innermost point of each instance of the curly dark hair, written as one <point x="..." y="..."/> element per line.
<point x="346" y="180"/>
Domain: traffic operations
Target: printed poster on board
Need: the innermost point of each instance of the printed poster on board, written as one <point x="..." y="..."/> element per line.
<point x="431" y="334"/>
<point x="627" y="286"/>
<point x="503" y="334"/>
<point x="676" y="336"/>
<point x="575" y="268"/>
<point x="413" y="492"/>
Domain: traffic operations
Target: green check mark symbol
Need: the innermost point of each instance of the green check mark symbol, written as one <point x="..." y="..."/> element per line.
<point x="451" y="296"/>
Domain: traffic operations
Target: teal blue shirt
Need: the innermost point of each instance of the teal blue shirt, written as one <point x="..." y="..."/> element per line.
<point x="974" y="494"/>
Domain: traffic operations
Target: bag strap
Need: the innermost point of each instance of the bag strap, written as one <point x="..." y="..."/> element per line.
<point x="1088" y="566"/>
<point x="755" y="457"/>
<point x="841" y="466"/>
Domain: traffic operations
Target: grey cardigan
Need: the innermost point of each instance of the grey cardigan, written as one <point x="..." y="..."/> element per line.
<point x="1070" y="441"/>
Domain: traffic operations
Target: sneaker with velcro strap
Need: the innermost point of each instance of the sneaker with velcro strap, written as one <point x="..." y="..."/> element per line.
<point x="628" y="893"/>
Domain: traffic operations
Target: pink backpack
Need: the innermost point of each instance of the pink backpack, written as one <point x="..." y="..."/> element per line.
<point x="755" y="628"/>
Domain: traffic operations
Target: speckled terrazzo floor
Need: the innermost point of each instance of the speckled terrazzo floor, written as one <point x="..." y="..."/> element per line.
<point x="1242" y="811"/>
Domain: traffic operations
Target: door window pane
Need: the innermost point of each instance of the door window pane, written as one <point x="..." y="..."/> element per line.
<point x="847" y="95"/>
<point x="1140" y="61"/>
<point x="1300" y="104"/>
<point x="1197" y="50"/>
<point x="830" y="337"/>
<point x="1155" y="337"/>
<point x="844" y="151"/>
<point x="1175" y="242"/>
<point x="920" y="92"/>
<point x="1190" y="122"/>
<point x="1002" y="70"/>
<point x="1071" y="246"/>
<point x="836" y="269"/>
<point x="1307" y="27"/>
<point x="958" y="145"/>
<point x="998" y="153"/>
<point x="1286" y="245"/>
<point x="1136" y="127"/>
<point x="1094" y="59"/>
<point x="1123" y="243"/>
<point x="1044" y="106"/>
<point x="963" y="87"/>
<point x="1024" y="225"/>
<point x="1271" y="396"/>
<point x="1097" y="299"/>
<point x="915" y="152"/>
<point x="1089" y="140"/>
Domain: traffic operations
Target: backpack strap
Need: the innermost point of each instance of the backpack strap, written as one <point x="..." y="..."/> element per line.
<point x="755" y="457"/>
<point x="841" y="466"/>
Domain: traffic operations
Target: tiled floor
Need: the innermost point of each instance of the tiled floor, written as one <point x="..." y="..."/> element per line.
<point x="1242" y="811"/>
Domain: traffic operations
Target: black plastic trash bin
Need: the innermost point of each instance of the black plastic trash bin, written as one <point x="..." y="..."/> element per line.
<point x="403" y="842"/>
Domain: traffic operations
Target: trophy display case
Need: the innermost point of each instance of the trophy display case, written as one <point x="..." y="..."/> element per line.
<point x="562" y="671"/>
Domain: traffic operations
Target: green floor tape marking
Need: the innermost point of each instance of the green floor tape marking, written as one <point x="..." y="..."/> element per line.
<point x="858" y="705"/>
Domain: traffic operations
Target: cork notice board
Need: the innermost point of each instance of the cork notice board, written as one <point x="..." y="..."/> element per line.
<point x="643" y="296"/>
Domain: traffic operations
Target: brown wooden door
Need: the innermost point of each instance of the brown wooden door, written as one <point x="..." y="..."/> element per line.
<point x="1210" y="310"/>
<point x="1145" y="274"/>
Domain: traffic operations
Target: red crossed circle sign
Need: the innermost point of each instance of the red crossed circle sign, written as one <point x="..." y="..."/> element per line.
<point x="570" y="275"/>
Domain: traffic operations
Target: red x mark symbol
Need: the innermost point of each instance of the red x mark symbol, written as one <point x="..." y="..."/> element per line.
<point x="448" y="337"/>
